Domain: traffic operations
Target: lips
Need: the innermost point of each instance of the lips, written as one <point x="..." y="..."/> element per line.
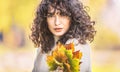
<point x="58" y="29"/>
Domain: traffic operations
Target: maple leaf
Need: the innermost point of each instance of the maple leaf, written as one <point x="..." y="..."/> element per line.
<point x="77" y="54"/>
<point x="69" y="46"/>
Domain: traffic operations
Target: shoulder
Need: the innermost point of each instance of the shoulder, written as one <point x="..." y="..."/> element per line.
<point x="79" y="46"/>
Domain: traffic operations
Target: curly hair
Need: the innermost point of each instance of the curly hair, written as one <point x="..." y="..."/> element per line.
<point x="81" y="26"/>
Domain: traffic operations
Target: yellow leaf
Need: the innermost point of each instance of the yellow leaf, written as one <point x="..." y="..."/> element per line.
<point x="67" y="67"/>
<point x="50" y="58"/>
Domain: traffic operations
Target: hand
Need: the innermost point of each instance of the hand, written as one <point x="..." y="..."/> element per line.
<point x="59" y="69"/>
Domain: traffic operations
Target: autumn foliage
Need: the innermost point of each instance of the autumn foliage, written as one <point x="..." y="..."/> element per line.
<point x="65" y="57"/>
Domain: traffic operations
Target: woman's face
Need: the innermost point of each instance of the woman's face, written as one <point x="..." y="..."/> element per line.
<point x="58" y="24"/>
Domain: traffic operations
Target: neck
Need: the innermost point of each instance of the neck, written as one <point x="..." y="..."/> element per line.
<point x="56" y="38"/>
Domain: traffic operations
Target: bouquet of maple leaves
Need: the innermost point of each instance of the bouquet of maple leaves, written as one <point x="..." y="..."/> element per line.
<point x="64" y="57"/>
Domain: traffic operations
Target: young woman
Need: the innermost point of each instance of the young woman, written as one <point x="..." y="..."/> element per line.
<point x="62" y="21"/>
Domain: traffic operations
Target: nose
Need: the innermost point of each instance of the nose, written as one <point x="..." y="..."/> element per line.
<point x="57" y="20"/>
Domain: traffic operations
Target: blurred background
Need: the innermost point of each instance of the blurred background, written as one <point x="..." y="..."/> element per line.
<point x="17" y="52"/>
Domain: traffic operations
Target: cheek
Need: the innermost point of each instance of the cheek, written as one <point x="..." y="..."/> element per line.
<point x="50" y="22"/>
<point x="67" y="24"/>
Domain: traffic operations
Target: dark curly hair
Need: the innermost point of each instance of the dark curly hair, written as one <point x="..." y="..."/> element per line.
<point x="81" y="26"/>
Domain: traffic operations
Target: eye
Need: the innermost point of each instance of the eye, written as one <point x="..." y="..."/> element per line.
<point x="50" y="15"/>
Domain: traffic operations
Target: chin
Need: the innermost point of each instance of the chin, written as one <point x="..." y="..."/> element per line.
<point x="58" y="35"/>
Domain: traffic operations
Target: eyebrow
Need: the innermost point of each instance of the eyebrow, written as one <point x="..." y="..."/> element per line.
<point x="58" y="12"/>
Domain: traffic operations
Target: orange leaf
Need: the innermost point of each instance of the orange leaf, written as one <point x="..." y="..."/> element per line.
<point x="77" y="54"/>
<point x="70" y="46"/>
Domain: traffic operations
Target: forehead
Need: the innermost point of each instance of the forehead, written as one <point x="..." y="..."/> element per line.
<point x="53" y="9"/>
